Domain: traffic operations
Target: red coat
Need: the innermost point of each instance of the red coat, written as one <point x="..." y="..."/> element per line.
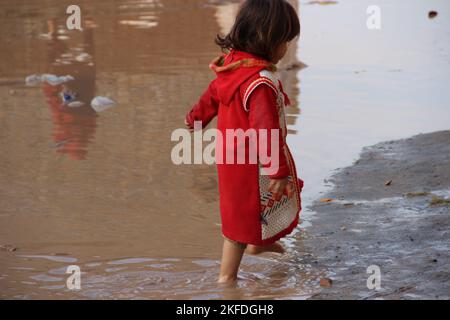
<point x="247" y="95"/>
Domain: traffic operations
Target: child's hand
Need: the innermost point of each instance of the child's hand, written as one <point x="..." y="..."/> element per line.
<point x="188" y="126"/>
<point x="281" y="186"/>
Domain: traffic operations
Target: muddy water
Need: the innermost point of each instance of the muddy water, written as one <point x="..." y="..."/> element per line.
<point x="99" y="190"/>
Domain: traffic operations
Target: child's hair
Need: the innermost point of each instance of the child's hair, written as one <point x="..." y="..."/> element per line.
<point x="261" y="26"/>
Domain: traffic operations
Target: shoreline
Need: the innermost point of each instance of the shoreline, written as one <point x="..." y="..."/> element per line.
<point x="389" y="209"/>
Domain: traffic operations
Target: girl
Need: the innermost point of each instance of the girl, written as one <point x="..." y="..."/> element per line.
<point x="256" y="209"/>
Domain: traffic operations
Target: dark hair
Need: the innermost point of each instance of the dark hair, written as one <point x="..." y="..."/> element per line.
<point x="261" y="26"/>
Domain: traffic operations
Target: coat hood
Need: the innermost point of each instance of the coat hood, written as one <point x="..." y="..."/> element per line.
<point x="233" y="69"/>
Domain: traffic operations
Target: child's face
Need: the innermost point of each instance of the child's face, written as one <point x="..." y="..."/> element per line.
<point x="280" y="52"/>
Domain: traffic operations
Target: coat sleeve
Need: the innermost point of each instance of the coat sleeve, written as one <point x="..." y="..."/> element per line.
<point x="206" y="108"/>
<point x="263" y="114"/>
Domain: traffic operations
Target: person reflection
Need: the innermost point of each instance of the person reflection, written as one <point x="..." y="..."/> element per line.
<point x="74" y="124"/>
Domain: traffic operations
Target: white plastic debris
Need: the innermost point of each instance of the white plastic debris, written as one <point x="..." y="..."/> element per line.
<point x="33" y="80"/>
<point x="68" y="96"/>
<point x="83" y="57"/>
<point x="66" y="78"/>
<point x="75" y="104"/>
<point x="51" y="79"/>
<point x="100" y="104"/>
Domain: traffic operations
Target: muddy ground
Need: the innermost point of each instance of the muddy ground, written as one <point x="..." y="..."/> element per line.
<point x="388" y="209"/>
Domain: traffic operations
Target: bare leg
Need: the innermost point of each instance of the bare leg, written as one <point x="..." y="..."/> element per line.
<point x="255" y="250"/>
<point x="231" y="259"/>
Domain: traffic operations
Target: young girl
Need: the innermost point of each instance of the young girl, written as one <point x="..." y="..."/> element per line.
<point x="256" y="209"/>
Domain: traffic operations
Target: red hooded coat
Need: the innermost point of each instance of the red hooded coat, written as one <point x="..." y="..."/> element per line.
<point x="247" y="95"/>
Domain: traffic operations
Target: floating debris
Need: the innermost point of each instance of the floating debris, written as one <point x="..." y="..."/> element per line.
<point x="350" y="204"/>
<point x="68" y="96"/>
<point x="83" y="57"/>
<point x="45" y="36"/>
<point x="326" y="200"/>
<point x="439" y="202"/>
<point x="139" y="23"/>
<point x="100" y="104"/>
<point x="66" y="78"/>
<point x="432" y="14"/>
<point x="322" y="2"/>
<point x="51" y="79"/>
<point x="417" y="194"/>
<point x="32" y="80"/>
<point x="75" y="104"/>
<point x="7" y="247"/>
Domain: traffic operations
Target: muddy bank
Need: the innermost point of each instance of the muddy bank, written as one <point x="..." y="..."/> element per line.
<point x="388" y="209"/>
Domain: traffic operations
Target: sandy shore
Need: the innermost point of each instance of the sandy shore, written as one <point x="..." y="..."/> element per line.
<point x="402" y="226"/>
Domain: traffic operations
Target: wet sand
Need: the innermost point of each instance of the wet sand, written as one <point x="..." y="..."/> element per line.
<point x="396" y="227"/>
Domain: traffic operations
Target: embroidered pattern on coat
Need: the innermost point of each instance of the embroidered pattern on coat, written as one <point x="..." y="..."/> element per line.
<point x="276" y="215"/>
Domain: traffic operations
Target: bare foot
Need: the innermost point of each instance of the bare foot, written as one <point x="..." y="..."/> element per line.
<point x="256" y="250"/>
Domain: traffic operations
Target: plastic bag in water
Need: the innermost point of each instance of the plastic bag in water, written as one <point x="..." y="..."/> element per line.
<point x="100" y="104"/>
<point x="33" y="80"/>
<point x="51" y="79"/>
<point x="75" y="104"/>
<point x="68" y="96"/>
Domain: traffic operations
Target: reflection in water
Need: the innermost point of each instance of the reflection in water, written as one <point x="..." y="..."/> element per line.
<point x="137" y="225"/>
<point x="225" y="16"/>
<point x="74" y="127"/>
<point x="140" y="14"/>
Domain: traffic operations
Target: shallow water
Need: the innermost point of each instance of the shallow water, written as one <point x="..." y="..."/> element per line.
<point x="366" y="86"/>
<point x="99" y="190"/>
